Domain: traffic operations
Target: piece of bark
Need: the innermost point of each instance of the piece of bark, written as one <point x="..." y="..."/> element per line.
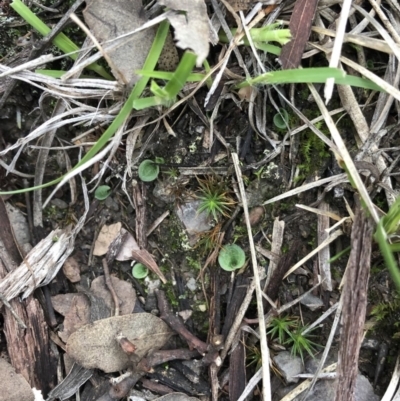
<point x="237" y="370"/>
<point x="300" y="28"/>
<point x="284" y="264"/>
<point x="28" y="348"/>
<point x="238" y="294"/>
<point x="354" y="306"/>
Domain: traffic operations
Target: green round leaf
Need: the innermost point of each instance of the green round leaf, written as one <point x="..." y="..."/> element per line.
<point x="140" y="271"/>
<point x="231" y="257"/>
<point x="281" y="119"/>
<point x="148" y="170"/>
<point x="102" y="192"/>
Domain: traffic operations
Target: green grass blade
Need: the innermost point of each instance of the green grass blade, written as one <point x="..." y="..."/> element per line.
<point x="65" y="44"/>
<point x="170" y="91"/>
<point x="390" y="261"/>
<point x="150" y="64"/>
<point x="181" y="74"/>
<point x="167" y="76"/>
<point x="267" y="48"/>
<point x="310" y="75"/>
<point x="395" y="247"/>
<point x="152" y="101"/>
<point x="269" y="33"/>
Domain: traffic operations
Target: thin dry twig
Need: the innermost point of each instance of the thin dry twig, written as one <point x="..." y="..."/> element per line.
<point x="107" y="279"/>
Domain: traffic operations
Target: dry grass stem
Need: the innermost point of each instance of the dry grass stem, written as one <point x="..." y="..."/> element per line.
<point x="336" y="179"/>
<point x="337" y="47"/>
<point x="276" y="246"/>
<point x="320" y="212"/>
<point x="394" y="381"/>
<point x="324" y="253"/>
<point x="260" y="312"/>
<point x="305" y="385"/>
<point x="325" y="243"/>
<point x="344" y="154"/>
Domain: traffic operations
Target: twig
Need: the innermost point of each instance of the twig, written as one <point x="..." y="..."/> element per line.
<point x="260" y="310"/>
<point x="344" y="154"/>
<point x="324" y="253"/>
<point x="109" y="285"/>
<point x="159" y="357"/>
<point x="176" y="324"/>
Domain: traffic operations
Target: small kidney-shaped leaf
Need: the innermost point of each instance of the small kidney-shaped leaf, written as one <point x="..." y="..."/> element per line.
<point x="95" y="345"/>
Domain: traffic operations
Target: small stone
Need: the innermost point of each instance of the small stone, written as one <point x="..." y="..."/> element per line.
<point x="135" y="398"/>
<point x="194" y="222"/>
<point x="111" y="204"/>
<point x="59" y="203"/>
<point x="256" y="215"/>
<point x="312" y="302"/>
<point x="289" y="365"/>
<point x="185" y="314"/>
<point x="152" y="284"/>
<point x="191" y="284"/>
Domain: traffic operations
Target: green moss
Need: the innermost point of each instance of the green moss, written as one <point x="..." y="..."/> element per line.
<point x="313" y="154"/>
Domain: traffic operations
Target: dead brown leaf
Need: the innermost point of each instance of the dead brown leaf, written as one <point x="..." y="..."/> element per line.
<point x="125" y="292"/>
<point x="71" y="270"/>
<point x="109" y="21"/>
<point x="96" y="346"/>
<point x="105" y="238"/>
<point x="77" y="316"/>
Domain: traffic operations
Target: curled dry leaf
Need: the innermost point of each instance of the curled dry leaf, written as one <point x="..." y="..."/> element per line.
<point x="190" y="22"/>
<point x="62" y="302"/>
<point x="130" y="250"/>
<point x="96" y="345"/>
